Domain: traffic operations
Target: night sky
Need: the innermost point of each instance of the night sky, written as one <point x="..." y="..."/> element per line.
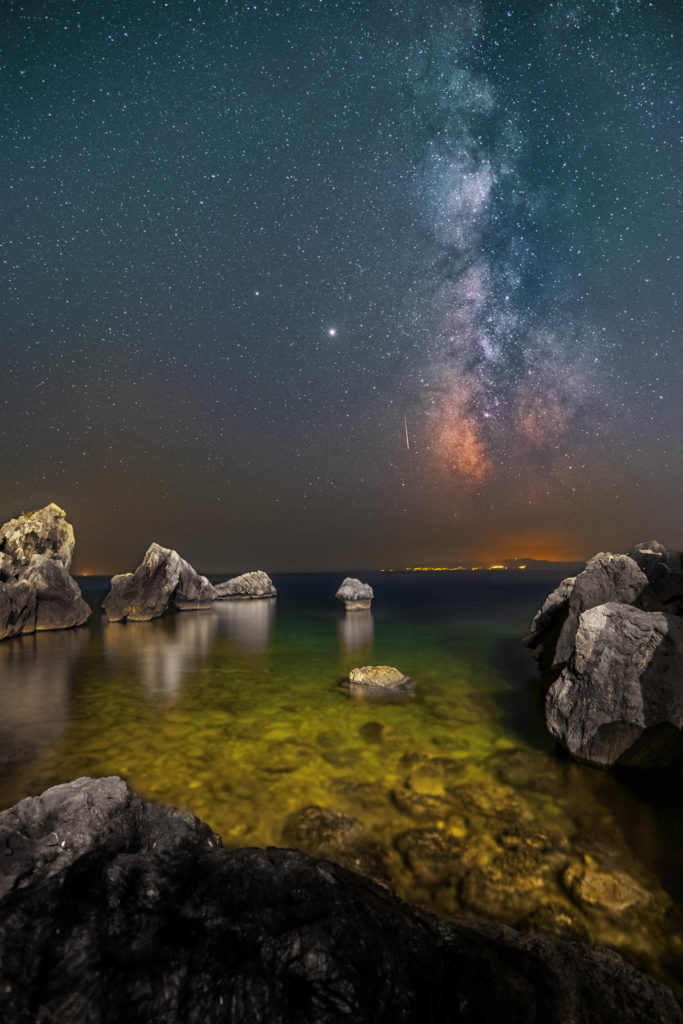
<point x="339" y="284"/>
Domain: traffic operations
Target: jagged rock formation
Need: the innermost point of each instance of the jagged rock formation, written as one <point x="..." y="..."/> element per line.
<point x="620" y="699"/>
<point x="112" y="908"/>
<point x="613" y="636"/>
<point x="356" y="596"/>
<point x="162" y="579"/>
<point x="36" y="590"/>
<point x="249" y="585"/>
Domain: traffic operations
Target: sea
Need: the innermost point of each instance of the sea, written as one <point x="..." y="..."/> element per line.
<point x="456" y="798"/>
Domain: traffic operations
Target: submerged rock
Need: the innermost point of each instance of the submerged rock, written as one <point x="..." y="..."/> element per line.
<point x="620" y="700"/>
<point x="379" y="679"/>
<point x="248" y="585"/>
<point x="36" y="590"/>
<point x="356" y="596"/>
<point x="611" y="892"/>
<point x="112" y="908"/>
<point x="320" y="829"/>
<point x="162" y="579"/>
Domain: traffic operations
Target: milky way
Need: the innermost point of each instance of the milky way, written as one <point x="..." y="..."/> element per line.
<point x="319" y="284"/>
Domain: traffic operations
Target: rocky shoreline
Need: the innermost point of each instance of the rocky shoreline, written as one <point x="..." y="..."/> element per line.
<point x="610" y="643"/>
<point x="113" y="908"/>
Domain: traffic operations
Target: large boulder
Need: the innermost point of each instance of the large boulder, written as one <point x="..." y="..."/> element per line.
<point x="163" y="579"/>
<point x="606" y="578"/>
<point x="356" y="596"/>
<point x="36" y="590"/>
<point x="249" y="585"/>
<point x="620" y="698"/>
<point x="112" y="908"/>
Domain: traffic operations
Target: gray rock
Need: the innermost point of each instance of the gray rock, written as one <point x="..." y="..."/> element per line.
<point x="114" y="909"/>
<point x="249" y="585"/>
<point x="356" y="596"/>
<point x="550" y="618"/>
<point x="36" y="590"/>
<point x="162" y="579"/>
<point x="606" y="578"/>
<point x="620" y="699"/>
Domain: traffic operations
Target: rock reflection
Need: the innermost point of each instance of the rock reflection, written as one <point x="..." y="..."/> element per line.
<point x="248" y="623"/>
<point x="163" y="651"/>
<point x="356" y="630"/>
<point x="35" y="689"/>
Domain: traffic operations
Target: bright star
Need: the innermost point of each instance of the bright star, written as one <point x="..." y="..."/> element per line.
<point x="332" y="331"/>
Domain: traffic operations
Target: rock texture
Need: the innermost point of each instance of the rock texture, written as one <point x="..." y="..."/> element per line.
<point x="356" y="596"/>
<point x="615" y="636"/>
<point x="115" y="909"/>
<point x="162" y="579"/>
<point x="248" y="585"/>
<point x="379" y="679"/>
<point x="36" y="590"/>
<point x="620" y="700"/>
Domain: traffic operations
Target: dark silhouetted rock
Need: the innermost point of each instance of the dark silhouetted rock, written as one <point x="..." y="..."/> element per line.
<point x="620" y="699"/>
<point x="356" y="596"/>
<point x="36" y="590"/>
<point x="248" y="585"/>
<point x="113" y="909"/>
<point x="163" y="579"/>
<point x="664" y="572"/>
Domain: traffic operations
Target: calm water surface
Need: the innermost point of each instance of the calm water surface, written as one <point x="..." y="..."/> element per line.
<point x="461" y="801"/>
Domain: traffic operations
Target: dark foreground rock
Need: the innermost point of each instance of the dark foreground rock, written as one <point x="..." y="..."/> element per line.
<point x="249" y="585"/>
<point x="357" y="596"/>
<point x="162" y="580"/>
<point x="36" y="590"/>
<point x="612" y="638"/>
<point x="114" y="909"/>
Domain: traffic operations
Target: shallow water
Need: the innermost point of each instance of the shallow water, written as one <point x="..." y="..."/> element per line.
<point x="460" y="800"/>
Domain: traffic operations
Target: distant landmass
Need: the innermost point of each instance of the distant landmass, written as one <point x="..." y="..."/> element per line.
<point x="483" y="565"/>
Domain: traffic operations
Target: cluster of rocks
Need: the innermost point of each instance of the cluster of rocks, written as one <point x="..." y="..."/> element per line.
<point x="612" y="637"/>
<point x="36" y="590"/>
<point x="112" y="908"/>
<point x="164" y="580"/>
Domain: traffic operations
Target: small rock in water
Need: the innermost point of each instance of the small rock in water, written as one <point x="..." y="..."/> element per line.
<point x="356" y="596"/>
<point x="379" y="679"/>
<point x="248" y="586"/>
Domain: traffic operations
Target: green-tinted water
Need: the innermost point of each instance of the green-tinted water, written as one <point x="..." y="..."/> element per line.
<point x="461" y="802"/>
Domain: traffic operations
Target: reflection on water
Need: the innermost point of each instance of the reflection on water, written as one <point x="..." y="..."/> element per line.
<point x="462" y="802"/>
<point x="162" y="651"/>
<point x="248" y="623"/>
<point x="35" y="686"/>
<point x="356" y="630"/>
